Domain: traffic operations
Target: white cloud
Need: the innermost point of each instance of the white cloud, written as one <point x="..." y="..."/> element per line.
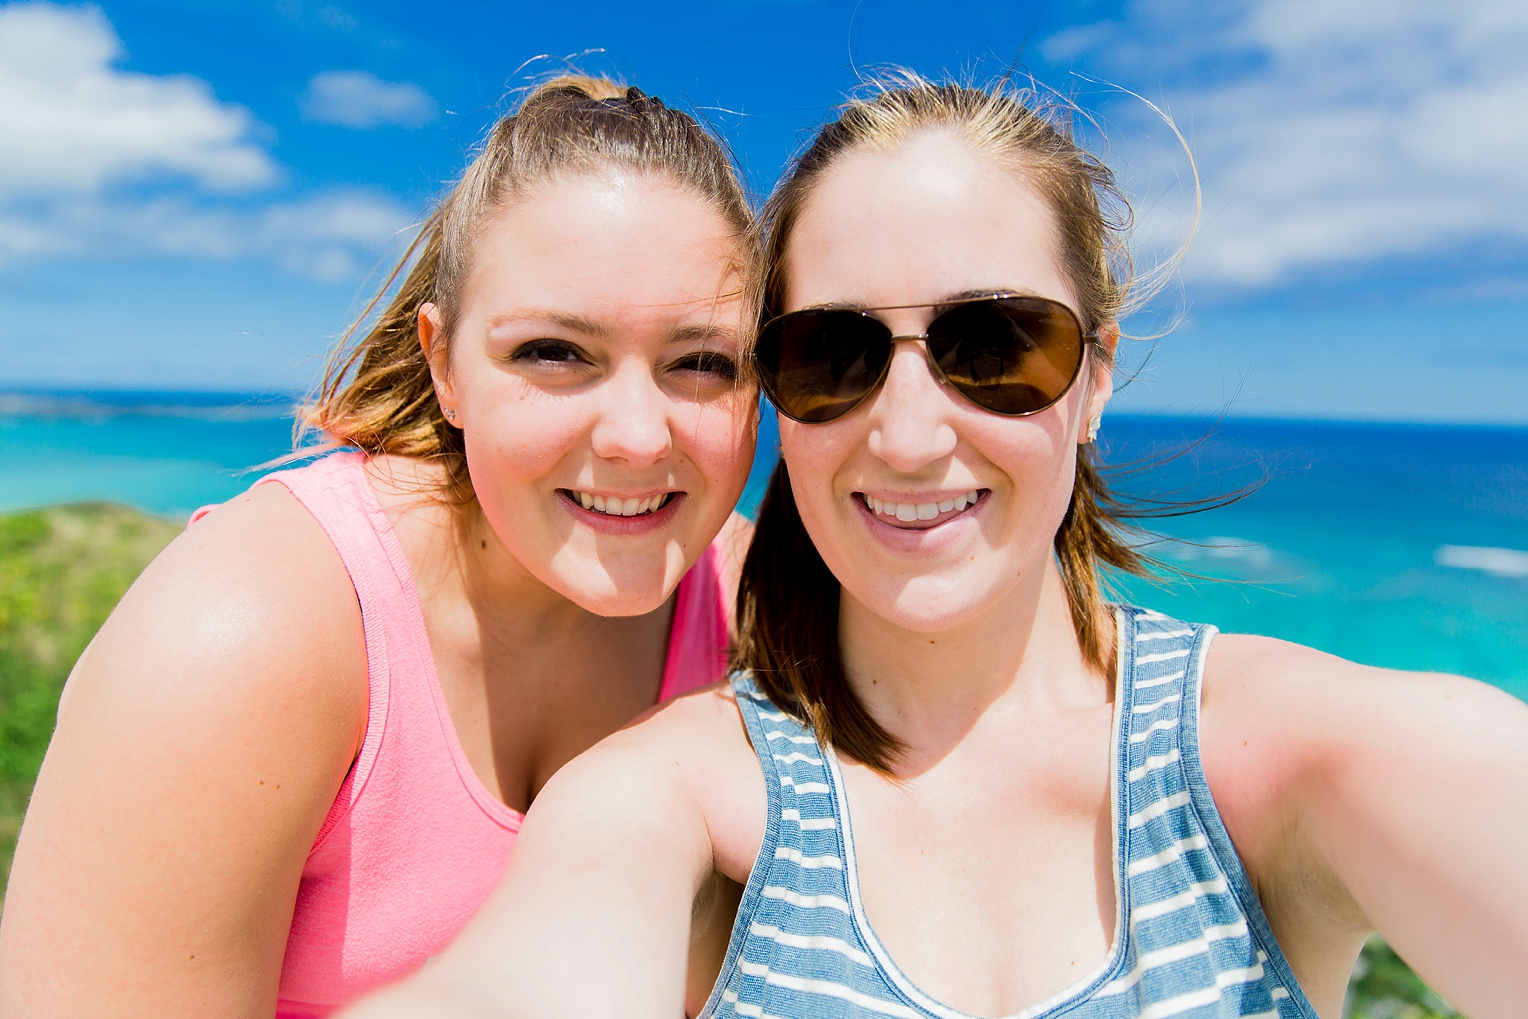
<point x="97" y="162"/>
<point x="1330" y="133"/>
<point x="360" y="99"/>
<point x="73" y="124"/>
<point x="332" y="237"/>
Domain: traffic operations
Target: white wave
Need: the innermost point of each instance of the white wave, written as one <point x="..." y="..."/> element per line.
<point x="1499" y="562"/>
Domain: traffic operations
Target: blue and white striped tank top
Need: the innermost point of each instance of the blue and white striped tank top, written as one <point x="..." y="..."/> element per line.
<point x="1191" y="939"/>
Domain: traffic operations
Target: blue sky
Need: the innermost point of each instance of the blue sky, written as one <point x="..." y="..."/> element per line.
<point x="195" y="194"/>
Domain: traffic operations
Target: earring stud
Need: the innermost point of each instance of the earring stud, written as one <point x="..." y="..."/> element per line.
<point x="1094" y="426"/>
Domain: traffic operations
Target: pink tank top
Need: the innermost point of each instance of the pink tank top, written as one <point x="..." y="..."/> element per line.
<point x="415" y="842"/>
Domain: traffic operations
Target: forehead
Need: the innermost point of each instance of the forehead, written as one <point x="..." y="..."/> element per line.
<point x="612" y="239"/>
<point x="915" y="223"/>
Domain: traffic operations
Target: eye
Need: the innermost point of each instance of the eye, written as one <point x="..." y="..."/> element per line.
<point x="708" y="362"/>
<point x="548" y="352"/>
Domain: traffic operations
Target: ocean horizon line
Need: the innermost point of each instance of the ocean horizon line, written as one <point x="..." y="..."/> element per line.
<point x="77" y="402"/>
<point x="90" y="404"/>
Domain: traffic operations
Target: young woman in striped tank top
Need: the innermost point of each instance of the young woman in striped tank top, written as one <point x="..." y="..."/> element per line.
<point x="293" y="763"/>
<point x="987" y="792"/>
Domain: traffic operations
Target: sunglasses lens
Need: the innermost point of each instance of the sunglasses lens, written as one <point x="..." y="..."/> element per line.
<point x="818" y="365"/>
<point x="1013" y="355"/>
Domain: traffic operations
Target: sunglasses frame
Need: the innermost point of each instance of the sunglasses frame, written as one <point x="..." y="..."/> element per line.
<point x="1085" y="336"/>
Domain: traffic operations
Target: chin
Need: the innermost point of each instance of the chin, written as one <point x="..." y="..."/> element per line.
<point x="626" y="597"/>
<point x="608" y="589"/>
<point x="929" y="604"/>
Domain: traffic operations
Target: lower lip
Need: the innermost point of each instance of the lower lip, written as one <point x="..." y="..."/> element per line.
<point x="643" y="523"/>
<point x="921" y="538"/>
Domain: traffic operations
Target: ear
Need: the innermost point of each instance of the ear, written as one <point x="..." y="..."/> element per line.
<point x="1101" y="379"/>
<point x="432" y="341"/>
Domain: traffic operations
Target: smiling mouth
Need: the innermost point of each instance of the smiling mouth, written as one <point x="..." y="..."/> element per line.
<point x="617" y="507"/>
<point x="930" y="514"/>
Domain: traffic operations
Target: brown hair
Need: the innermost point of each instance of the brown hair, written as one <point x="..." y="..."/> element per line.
<point x="377" y="393"/>
<point x="788" y="599"/>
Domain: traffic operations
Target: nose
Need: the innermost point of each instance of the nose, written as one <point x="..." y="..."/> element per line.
<point x="633" y="418"/>
<point x="909" y="424"/>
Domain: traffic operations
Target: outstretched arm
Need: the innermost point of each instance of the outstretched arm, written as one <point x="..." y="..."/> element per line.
<point x="1408" y="794"/>
<point x="593" y="915"/>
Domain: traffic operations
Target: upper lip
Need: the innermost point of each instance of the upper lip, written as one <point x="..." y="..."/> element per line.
<point x="607" y="494"/>
<point x="943" y="495"/>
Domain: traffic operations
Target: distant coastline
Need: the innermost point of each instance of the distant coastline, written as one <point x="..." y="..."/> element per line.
<point x="90" y="404"/>
<point x="1396" y="544"/>
<point x="98" y="404"/>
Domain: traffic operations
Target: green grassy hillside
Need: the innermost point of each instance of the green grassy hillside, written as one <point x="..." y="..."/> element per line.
<point x="63" y="569"/>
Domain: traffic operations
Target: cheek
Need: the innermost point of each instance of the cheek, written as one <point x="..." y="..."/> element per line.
<point x="814" y="454"/>
<point x="800" y="457"/>
<point x="1040" y="463"/>
<point x="719" y="437"/>
<point x="522" y="438"/>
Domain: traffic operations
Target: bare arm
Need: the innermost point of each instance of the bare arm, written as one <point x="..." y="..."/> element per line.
<point x="1407" y="793"/>
<point x="593" y="916"/>
<point x="200" y="742"/>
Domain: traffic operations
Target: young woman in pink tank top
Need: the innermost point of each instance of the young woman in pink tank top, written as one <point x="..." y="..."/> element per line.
<point x="294" y="761"/>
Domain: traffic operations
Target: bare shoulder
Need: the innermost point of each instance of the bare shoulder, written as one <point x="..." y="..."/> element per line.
<point x="1286" y="726"/>
<point x="1364" y="798"/>
<point x="199" y="746"/>
<point x="1307" y="700"/>
<point x="693" y="754"/>
<point x="251" y="598"/>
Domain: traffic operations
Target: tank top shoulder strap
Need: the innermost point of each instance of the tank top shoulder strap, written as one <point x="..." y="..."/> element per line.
<point x="796" y="907"/>
<point x="336" y="492"/>
<point x="1157" y="655"/>
<point x="783" y="746"/>
<point x="1186" y="893"/>
<point x="1157" y="808"/>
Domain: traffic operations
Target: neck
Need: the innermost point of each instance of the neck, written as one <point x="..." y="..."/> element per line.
<point x="458" y="559"/>
<point x="931" y="688"/>
<point x="503" y="593"/>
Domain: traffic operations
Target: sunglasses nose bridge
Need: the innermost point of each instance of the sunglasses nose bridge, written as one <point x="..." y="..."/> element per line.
<point x="921" y="340"/>
<point x="928" y="355"/>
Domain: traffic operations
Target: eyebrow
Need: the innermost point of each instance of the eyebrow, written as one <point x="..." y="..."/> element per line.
<point x="964" y="295"/>
<point x="695" y="333"/>
<point x="588" y="326"/>
<point x="564" y="319"/>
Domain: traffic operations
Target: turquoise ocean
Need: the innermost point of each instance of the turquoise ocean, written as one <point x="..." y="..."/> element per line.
<point x="1396" y="545"/>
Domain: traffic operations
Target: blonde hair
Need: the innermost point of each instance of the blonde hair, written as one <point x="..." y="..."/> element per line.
<point x="788" y="599"/>
<point x="377" y="393"/>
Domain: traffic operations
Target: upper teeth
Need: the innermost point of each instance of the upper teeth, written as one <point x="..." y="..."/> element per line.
<point x="909" y="511"/>
<point x="618" y="507"/>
